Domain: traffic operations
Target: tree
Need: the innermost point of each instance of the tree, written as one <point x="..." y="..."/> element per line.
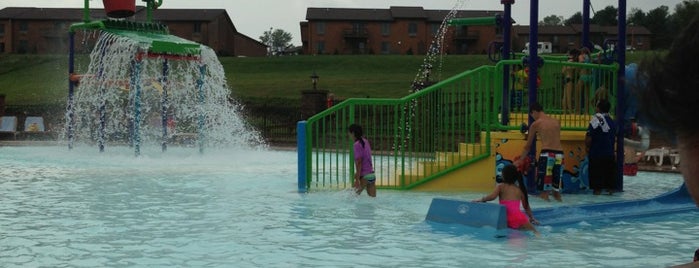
<point x="277" y="40"/>
<point x="606" y="16"/>
<point x="575" y="19"/>
<point x="552" y="20"/>
<point x="683" y="13"/>
<point x="636" y="17"/>
<point x="657" y="22"/>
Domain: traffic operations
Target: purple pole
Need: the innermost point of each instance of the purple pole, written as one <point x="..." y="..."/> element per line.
<point x="164" y="103"/>
<point x="586" y="25"/>
<point x="71" y="90"/>
<point x="506" y="46"/>
<point x="533" y="56"/>
<point x="621" y="92"/>
<point x="533" y="65"/>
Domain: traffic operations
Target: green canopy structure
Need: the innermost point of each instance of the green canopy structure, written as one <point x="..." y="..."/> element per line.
<point x="155" y="37"/>
<point x="154" y="41"/>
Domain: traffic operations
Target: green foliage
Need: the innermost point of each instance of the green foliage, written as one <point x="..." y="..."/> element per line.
<point x="685" y="11"/>
<point x="552" y="20"/>
<point x="574" y="19"/>
<point x="278" y="40"/>
<point x="606" y="16"/>
<point x="659" y="22"/>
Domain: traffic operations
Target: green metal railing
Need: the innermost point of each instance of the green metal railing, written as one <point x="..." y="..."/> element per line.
<point x="413" y="139"/>
<point x="439" y="129"/>
<point x="581" y="85"/>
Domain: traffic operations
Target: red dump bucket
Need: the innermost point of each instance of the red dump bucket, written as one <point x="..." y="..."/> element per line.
<point x="119" y="8"/>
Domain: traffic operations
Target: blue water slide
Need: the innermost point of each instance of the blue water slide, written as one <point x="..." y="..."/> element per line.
<point x="676" y="201"/>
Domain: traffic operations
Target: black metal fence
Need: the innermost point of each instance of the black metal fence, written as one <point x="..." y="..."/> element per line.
<point x="275" y="119"/>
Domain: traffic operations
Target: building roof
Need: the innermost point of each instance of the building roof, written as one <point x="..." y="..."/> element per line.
<point x="76" y="14"/>
<point x="357" y="14"/>
<point x="577" y="29"/>
<point x="395" y="12"/>
<point x="549" y="30"/>
<point x="37" y="13"/>
<point x="162" y="14"/>
<point x="439" y="15"/>
<point x="595" y="28"/>
<point x="408" y="12"/>
<point x="637" y="30"/>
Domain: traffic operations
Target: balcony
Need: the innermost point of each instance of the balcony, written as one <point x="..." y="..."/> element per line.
<point x="54" y="33"/>
<point x="355" y="33"/>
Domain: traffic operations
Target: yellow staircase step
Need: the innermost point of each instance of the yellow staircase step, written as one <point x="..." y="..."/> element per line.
<point x="444" y="160"/>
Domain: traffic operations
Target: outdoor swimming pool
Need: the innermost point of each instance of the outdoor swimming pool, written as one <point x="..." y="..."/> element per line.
<point x="240" y="208"/>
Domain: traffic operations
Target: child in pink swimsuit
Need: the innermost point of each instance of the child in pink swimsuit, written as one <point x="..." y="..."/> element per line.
<point x="510" y="195"/>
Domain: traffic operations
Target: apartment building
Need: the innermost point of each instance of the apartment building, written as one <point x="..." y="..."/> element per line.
<point x="411" y="30"/>
<point x="563" y="38"/>
<point x="45" y="30"/>
<point x="397" y="30"/>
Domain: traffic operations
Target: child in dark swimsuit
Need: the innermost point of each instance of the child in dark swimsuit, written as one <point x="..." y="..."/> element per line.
<point x="510" y="195"/>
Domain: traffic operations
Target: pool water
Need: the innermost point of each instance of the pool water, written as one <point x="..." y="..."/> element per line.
<point x="240" y="208"/>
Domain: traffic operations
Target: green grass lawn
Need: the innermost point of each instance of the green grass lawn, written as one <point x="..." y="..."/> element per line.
<point x="345" y="76"/>
<point x="42" y="79"/>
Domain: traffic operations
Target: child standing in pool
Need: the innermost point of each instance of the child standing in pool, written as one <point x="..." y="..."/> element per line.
<point x="364" y="169"/>
<point x="510" y="193"/>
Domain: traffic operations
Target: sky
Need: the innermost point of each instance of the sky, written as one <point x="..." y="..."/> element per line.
<point x="253" y="18"/>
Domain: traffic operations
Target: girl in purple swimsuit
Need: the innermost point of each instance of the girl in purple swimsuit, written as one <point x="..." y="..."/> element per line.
<point x="510" y="195"/>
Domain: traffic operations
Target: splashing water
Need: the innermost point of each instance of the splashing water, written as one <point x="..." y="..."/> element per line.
<point x="123" y="98"/>
<point x="433" y="58"/>
<point x="435" y="53"/>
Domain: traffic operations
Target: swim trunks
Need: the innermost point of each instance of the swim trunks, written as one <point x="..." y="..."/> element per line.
<point x="602" y="172"/>
<point x="550" y="170"/>
<point x="370" y="178"/>
<point x="515" y="217"/>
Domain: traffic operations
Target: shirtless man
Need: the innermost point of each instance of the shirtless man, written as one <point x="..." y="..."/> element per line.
<point x="550" y="163"/>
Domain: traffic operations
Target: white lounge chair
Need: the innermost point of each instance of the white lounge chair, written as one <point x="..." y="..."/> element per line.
<point x="8" y="126"/>
<point x="34" y="124"/>
<point x="658" y="156"/>
<point x="34" y="128"/>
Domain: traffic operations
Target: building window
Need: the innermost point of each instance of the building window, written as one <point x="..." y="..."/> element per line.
<point x="462" y="31"/>
<point x="23" y="47"/>
<point x="320" y="28"/>
<point x="412" y="29"/>
<point x="197" y="27"/>
<point x="2" y="47"/>
<point x="385" y="47"/>
<point x="2" y="29"/>
<point x="23" y="26"/>
<point x="320" y="46"/>
<point x="435" y="28"/>
<point x="358" y="28"/>
<point x="385" y="29"/>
